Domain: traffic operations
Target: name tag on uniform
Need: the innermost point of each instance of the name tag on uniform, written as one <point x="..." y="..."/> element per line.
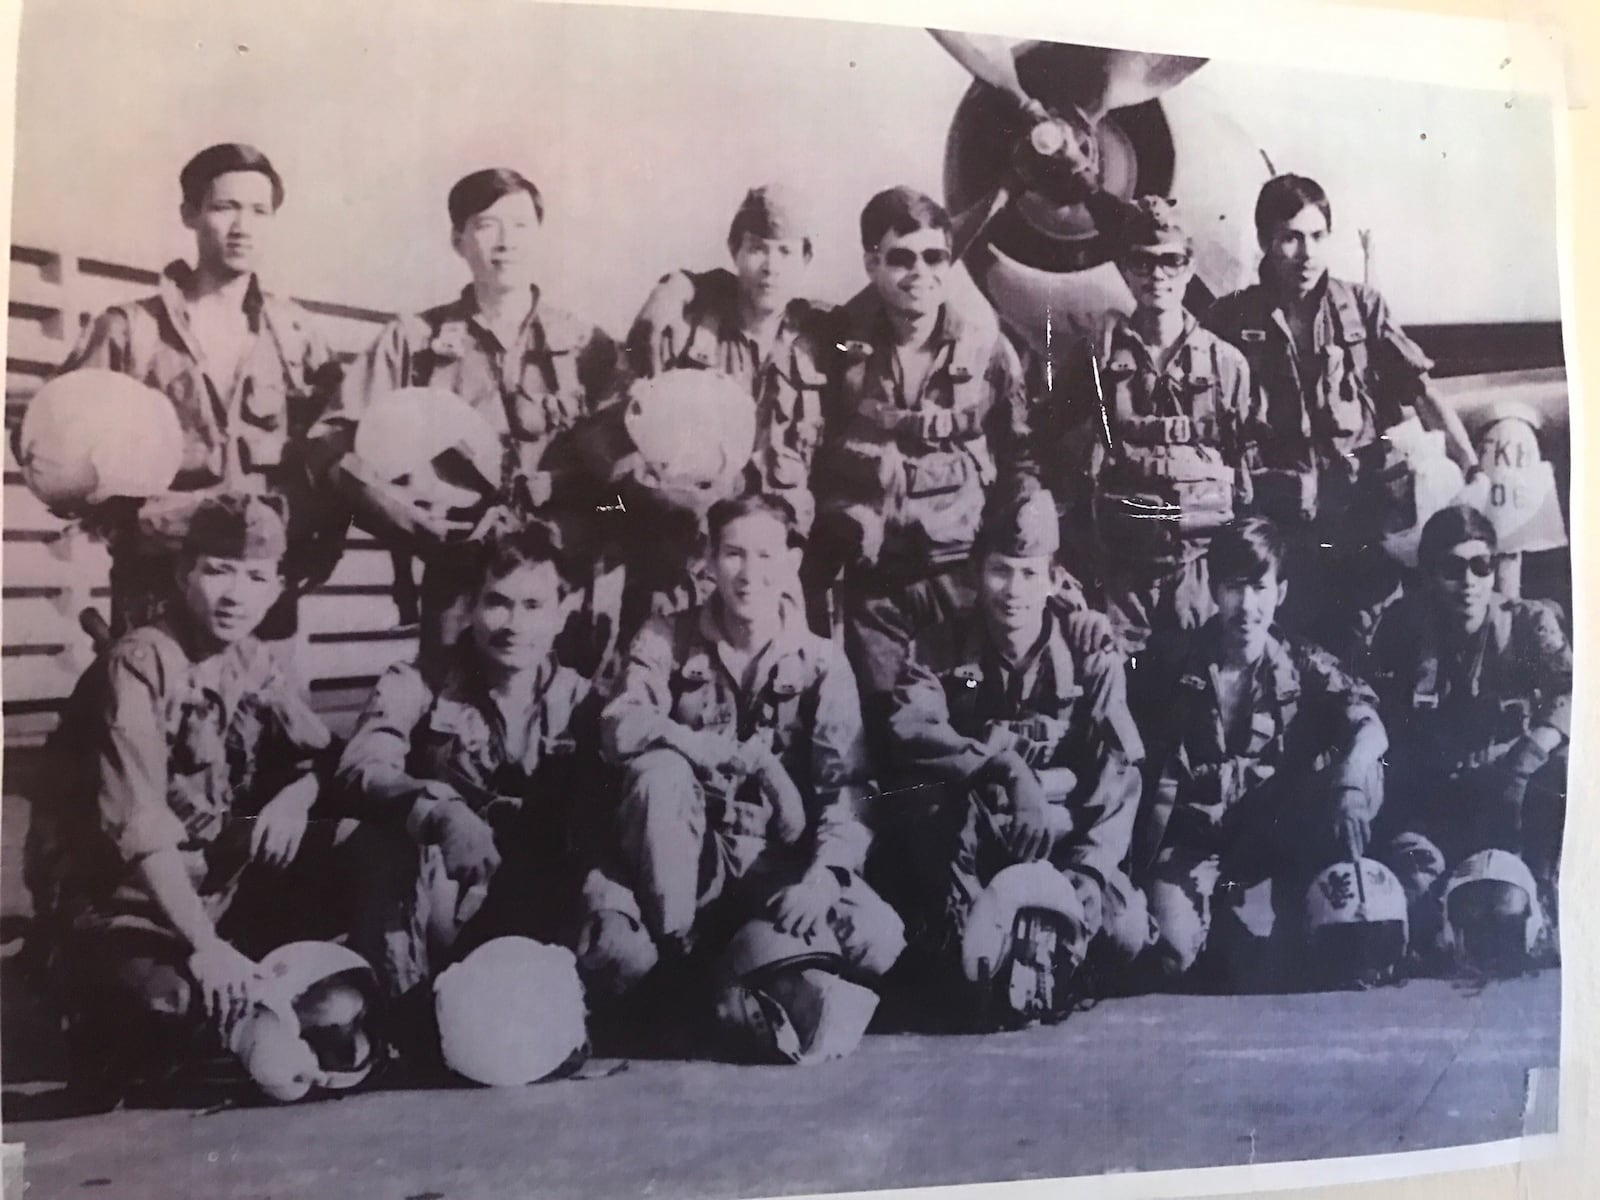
<point x="1253" y="335"/>
<point x="1422" y="699"/>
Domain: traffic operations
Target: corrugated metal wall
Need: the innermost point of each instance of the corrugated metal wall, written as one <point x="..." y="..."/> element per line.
<point x="349" y="628"/>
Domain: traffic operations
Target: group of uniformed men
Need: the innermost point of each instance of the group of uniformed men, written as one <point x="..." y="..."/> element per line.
<point x="982" y="682"/>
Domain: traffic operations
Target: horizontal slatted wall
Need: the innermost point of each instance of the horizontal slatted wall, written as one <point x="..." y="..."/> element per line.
<point x="350" y="628"/>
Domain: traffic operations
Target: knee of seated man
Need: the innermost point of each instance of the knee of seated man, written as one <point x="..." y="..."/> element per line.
<point x="660" y="777"/>
<point x="1126" y="927"/>
<point x="870" y="932"/>
<point x="1180" y="931"/>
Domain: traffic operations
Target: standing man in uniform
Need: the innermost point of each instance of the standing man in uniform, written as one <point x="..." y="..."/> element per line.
<point x="1149" y="446"/>
<point x="180" y="846"/>
<point x="530" y="369"/>
<point x="1476" y="692"/>
<point x="1031" y="738"/>
<point x="1265" y="757"/>
<point x="928" y="412"/>
<point x="1334" y="371"/>
<point x="248" y="374"/>
<point x="744" y="767"/>
<point x="753" y="325"/>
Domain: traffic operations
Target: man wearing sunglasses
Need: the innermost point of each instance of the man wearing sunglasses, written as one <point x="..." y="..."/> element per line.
<point x="928" y="408"/>
<point x="1476" y="693"/>
<point x="752" y="324"/>
<point x="1333" y="370"/>
<point x="1146" y="444"/>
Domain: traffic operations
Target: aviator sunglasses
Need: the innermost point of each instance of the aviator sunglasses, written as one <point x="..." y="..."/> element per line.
<point x="902" y="258"/>
<point x="1149" y="264"/>
<point x="1455" y="569"/>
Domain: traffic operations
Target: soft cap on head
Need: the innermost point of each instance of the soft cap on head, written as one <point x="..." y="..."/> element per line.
<point x="236" y="525"/>
<point x="1020" y="523"/>
<point x="1152" y="226"/>
<point x="772" y="210"/>
<point x="220" y="159"/>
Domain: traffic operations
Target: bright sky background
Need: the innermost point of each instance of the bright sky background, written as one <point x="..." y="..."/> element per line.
<point x="644" y="128"/>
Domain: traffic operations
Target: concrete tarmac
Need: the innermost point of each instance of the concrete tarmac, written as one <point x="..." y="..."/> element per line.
<point x="1143" y="1083"/>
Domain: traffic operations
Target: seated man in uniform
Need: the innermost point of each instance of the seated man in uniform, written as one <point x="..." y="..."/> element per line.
<point x="1033" y="738"/>
<point x="483" y="766"/>
<point x="752" y="325"/>
<point x="738" y="732"/>
<point x="1476" y="692"/>
<point x="1265" y="758"/>
<point x="181" y="846"/>
<point x="1147" y="444"/>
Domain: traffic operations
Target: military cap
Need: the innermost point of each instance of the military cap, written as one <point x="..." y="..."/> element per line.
<point x="220" y="159"/>
<point x="1020" y="523"/>
<point x="237" y="525"/>
<point x="1152" y="225"/>
<point x="771" y="211"/>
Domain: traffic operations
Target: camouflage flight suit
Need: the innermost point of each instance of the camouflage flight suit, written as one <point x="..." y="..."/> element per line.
<point x="557" y="370"/>
<point x="913" y="472"/>
<point x="688" y="840"/>
<point x="691" y="321"/>
<point x="245" y="434"/>
<point x="156" y="752"/>
<point x="1462" y="774"/>
<point x="414" y="740"/>
<point x="958" y="704"/>
<point x="1322" y="469"/>
<point x="1153" y="460"/>
<point x="1232" y="808"/>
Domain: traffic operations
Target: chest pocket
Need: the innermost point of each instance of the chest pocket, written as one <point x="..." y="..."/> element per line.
<point x="1346" y="392"/>
<point x="264" y="413"/>
<point x="698" y="701"/>
<point x="794" y="422"/>
<point x="548" y="396"/>
<point x="781" y="704"/>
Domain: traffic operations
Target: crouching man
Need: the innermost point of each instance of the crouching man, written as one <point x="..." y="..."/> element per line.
<point x="739" y="736"/>
<point x="181" y="847"/>
<point x="482" y="768"/>
<point x="1035" y="738"/>
<point x="1265" y="762"/>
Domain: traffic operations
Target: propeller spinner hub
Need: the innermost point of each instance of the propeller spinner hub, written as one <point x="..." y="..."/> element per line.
<point x="1059" y="159"/>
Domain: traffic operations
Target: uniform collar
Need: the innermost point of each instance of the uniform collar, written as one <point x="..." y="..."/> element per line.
<point x="1275" y="669"/>
<point x="868" y="320"/>
<point x="173" y="290"/>
<point x="1120" y="333"/>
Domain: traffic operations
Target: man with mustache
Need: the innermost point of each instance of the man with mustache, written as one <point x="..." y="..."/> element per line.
<point x="178" y="846"/>
<point x="482" y="763"/>
<point x="1265" y="759"/>
<point x="1333" y="370"/>
<point x="248" y="374"/>
<point x="1147" y="444"/>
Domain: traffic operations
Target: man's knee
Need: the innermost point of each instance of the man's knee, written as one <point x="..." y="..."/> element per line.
<point x="614" y="949"/>
<point x="1126" y="929"/>
<point x="659" y="787"/>
<point x="1181" y="928"/>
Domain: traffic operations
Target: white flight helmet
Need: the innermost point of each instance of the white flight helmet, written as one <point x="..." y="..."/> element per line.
<point x="92" y="435"/>
<point x="692" y="433"/>
<point x="1025" y="937"/>
<point x="1492" y="918"/>
<point x="511" y="1012"/>
<point x="1359" y="923"/>
<point x="312" y="1024"/>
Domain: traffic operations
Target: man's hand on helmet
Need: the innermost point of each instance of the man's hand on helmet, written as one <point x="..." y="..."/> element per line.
<point x="228" y="982"/>
<point x="1090" y="632"/>
<point x="802" y="908"/>
<point x="1351" y="828"/>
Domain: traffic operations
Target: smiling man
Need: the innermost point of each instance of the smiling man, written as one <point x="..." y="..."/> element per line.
<point x="247" y="372"/>
<point x="179" y="846"/>
<point x="752" y="324"/>
<point x="928" y="412"/>
<point x="1147" y="437"/>
<point x="1265" y="759"/>
<point x="1476" y="691"/>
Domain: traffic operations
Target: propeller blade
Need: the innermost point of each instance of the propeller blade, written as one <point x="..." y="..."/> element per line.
<point x="988" y="59"/>
<point x="1132" y="78"/>
<point x="968" y="227"/>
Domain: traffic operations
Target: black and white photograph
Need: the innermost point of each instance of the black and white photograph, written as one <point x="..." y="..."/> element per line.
<point x="611" y="601"/>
